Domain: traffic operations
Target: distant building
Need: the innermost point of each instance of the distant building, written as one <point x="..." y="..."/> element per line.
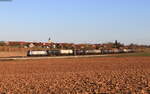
<point x="54" y="46"/>
<point x="31" y="45"/>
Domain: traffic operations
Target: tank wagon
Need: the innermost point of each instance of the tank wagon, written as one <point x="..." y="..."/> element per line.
<point x="77" y="52"/>
<point x="92" y="52"/>
<point x="128" y="50"/>
<point x="37" y="53"/>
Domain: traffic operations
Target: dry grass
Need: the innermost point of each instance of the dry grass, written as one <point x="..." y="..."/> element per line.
<point x="105" y="75"/>
<point x="12" y="54"/>
<point x="6" y="51"/>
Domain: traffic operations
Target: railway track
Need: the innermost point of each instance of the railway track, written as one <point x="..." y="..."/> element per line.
<point x="47" y="57"/>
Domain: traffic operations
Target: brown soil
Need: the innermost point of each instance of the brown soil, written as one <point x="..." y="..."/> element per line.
<point x="104" y="75"/>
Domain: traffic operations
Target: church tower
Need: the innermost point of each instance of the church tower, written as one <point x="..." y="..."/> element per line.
<point x="49" y="40"/>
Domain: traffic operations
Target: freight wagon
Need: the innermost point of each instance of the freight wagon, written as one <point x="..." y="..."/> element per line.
<point x="128" y="50"/>
<point x="37" y="53"/>
<point x="66" y="52"/>
<point x="91" y="52"/>
<point x="53" y="52"/>
<point x="79" y="52"/>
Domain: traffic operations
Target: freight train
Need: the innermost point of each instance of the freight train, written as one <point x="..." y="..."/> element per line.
<point x="77" y="52"/>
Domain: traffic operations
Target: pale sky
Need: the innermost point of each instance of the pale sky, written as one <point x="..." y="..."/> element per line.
<point x="76" y="21"/>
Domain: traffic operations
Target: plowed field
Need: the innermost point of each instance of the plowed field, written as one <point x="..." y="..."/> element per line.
<point x="104" y="75"/>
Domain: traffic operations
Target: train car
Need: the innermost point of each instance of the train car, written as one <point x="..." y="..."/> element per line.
<point x="131" y="50"/>
<point x="121" y="51"/>
<point x="109" y="51"/>
<point x="92" y="52"/>
<point x="126" y="50"/>
<point x="116" y="51"/>
<point x="60" y="52"/>
<point x="37" y="53"/>
<point x="79" y="52"/>
<point x="53" y="52"/>
<point x="66" y="52"/>
<point x="105" y="51"/>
